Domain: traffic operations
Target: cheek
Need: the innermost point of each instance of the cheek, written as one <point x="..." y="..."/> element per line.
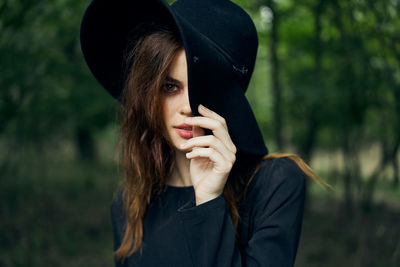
<point x="167" y="111"/>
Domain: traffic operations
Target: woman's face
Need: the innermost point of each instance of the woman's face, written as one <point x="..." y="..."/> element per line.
<point x="176" y="105"/>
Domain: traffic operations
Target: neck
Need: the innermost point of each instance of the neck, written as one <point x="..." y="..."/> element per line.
<point x="181" y="173"/>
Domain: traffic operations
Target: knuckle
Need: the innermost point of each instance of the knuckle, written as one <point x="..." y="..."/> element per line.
<point x="223" y="121"/>
<point x="230" y="165"/>
<point x="213" y="139"/>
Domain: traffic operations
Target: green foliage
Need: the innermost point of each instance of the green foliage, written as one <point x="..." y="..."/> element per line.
<point x="338" y="73"/>
<point x="46" y="88"/>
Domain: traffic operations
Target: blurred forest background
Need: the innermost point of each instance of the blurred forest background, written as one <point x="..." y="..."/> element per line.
<point x="326" y="87"/>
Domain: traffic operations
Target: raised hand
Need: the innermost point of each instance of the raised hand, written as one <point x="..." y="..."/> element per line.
<point x="212" y="156"/>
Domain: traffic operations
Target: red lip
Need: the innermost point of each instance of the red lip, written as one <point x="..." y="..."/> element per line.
<point x="183" y="125"/>
<point x="184" y="133"/>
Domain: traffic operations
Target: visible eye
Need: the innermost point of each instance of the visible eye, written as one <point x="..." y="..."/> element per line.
<point x="170" y="87"/>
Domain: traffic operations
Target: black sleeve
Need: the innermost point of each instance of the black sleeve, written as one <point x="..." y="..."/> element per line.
<point x="118" y="222"/>
<point x="278" y="204"/>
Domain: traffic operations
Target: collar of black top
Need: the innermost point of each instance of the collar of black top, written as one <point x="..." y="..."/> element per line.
<point x="220" y="42"/>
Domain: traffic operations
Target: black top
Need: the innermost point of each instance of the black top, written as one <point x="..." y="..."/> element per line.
<point x="176" y="232"/>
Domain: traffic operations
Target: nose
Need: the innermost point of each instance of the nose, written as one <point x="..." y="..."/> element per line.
<point x="185" y="107"/>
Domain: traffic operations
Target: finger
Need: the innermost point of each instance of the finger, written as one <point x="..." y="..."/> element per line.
<point x="210" y="141"/>
<point x="217" y="128"/>
<point x="212" y="114"/>
<point x="222" y="165"/>
<point x="198" y="131"/>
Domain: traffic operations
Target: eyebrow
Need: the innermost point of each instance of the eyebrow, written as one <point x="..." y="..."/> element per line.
<point x="170" y="79"/>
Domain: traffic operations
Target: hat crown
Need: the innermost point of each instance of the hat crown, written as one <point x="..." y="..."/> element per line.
<point x="229" y="27"/>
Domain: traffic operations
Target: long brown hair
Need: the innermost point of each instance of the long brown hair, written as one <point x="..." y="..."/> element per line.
<point x="148" y="157"/>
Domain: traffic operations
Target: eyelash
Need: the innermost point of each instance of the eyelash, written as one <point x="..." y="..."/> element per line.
<point x="167" y="90"/>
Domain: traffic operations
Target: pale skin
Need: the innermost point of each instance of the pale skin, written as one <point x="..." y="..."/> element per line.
<point x="203" y="161"/>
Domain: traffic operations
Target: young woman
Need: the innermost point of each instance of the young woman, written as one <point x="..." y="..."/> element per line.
<point x="200" y="188"/>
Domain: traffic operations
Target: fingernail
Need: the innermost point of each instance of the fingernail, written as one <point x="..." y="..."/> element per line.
<point x="202" y="107"/>
<point x="187" y="120"/>
<point x="183" y="144"/>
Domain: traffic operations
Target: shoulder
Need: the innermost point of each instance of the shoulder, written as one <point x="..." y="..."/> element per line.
<point x="277" y="180"/>
<point x="275" y="171"/>
<point x="275" y="208"/>
<point x="117" y="219"/>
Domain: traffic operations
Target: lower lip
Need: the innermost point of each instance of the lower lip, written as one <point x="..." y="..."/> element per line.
<point x="184" y="133"/>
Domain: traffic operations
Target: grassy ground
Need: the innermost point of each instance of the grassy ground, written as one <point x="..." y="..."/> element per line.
<point x="55" y="212"/>
<point x="333" y="237"/>
<point x="61" y="219"/>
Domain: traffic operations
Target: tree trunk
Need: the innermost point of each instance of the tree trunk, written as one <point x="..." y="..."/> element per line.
<point x="85" y="144"/>
<point x="313" y="125"/>
<point x="347" y="178"/>
<point x="276" y="89"/>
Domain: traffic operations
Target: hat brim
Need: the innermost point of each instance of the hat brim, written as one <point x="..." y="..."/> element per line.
<point x="219" y="90"/>
<point x="104" y="34"/>
<point x="105" y="30"/>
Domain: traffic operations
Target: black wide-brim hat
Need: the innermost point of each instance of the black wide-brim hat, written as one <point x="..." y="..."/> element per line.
<point x="220" y="42"/>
